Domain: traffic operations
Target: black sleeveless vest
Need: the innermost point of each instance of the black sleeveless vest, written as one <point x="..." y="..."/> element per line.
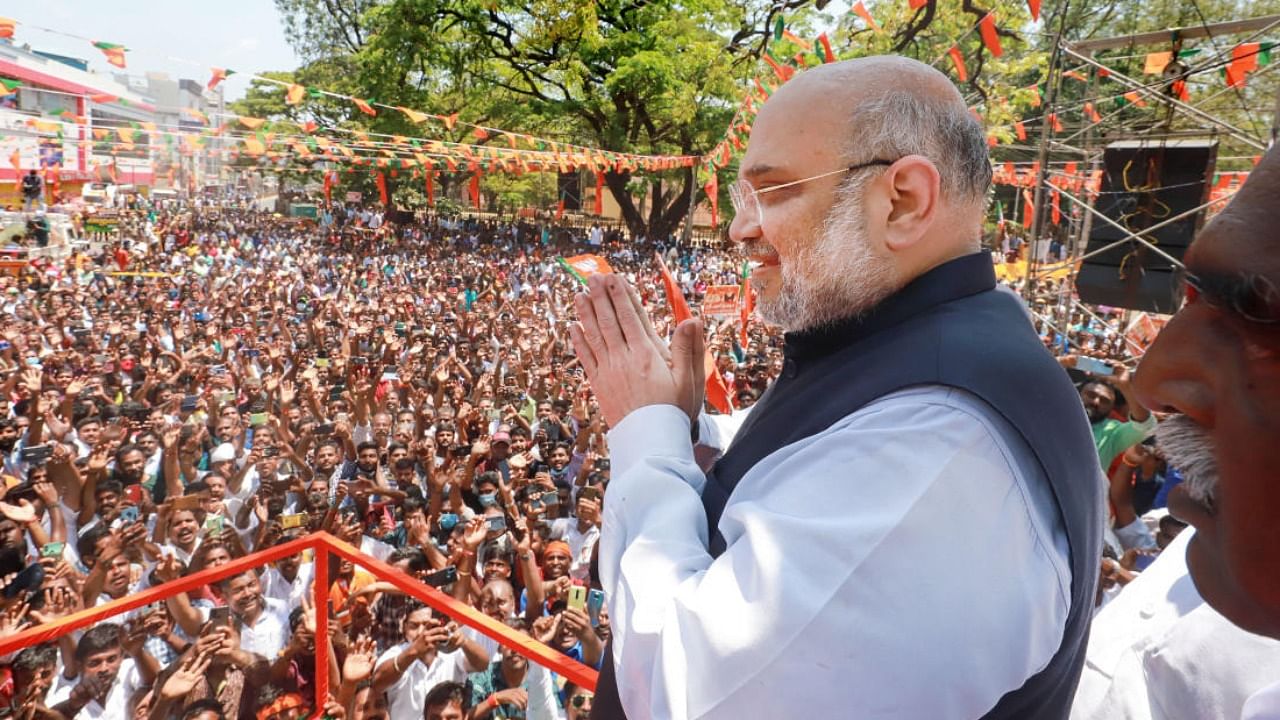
<point x="948" y="327"/>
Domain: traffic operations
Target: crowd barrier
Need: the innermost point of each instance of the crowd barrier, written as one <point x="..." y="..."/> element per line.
<point x="322" y="544"/>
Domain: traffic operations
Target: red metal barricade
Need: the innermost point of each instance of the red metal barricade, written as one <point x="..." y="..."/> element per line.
<point x="322" y="543"/>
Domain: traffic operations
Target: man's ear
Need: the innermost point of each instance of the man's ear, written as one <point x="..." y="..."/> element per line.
<point x="914" y="192"/>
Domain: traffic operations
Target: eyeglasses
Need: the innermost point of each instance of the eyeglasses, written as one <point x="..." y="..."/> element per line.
<point x="1251" y="297"/>
<point x="580" y="700"/>
<point x="746" y="199"/>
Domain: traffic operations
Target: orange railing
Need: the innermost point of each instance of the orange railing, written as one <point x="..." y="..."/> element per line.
<point x="322" y="543"/>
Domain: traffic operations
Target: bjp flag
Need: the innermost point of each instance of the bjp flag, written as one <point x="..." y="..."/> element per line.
<point x="584" y="266"/>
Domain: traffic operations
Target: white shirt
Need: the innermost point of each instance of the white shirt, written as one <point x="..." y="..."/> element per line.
<point x="128" y="681"/>
<point x="906" y="562"/>
<point x="1159" y="652"/>
<point x="1263" y="705"/>
<point x="407" y="698"/>
<point x="580" y="543"/>
<point x="276" y="587"/>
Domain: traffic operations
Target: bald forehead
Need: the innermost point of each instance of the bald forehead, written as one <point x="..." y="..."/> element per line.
<point x="806" y="122"/>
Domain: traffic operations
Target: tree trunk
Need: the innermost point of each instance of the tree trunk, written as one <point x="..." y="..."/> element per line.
<point x="665" y="212"/>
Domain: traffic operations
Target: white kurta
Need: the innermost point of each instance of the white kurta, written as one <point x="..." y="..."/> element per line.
<point x="907" y="562"/>
<point x="1159" y="652"/>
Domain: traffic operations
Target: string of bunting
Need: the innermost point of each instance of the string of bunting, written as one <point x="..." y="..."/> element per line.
<point x="574" y="155"/>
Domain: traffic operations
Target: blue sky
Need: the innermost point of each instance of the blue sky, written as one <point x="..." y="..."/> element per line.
<point x="183" y="38"/>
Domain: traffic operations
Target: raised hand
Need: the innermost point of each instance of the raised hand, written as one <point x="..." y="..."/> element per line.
<point x="358" y="665"/>
<point x="188" y="674"/>
<point x="476" y="532"/>
<point x="23" y="513"/>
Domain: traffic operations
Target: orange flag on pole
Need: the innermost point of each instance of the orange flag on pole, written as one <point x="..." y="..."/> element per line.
<point x="365" y="107"/>
<point x="715" y="388"/>
<point x="294" y="94"/>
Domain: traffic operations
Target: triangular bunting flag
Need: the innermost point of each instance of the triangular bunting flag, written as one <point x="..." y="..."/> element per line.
<point x="990" y="38"/>
<point x="294" y="94"/>
<point x="860" y="9"/>
<point x="113" y="52"/>
<point x="957" y="59"/>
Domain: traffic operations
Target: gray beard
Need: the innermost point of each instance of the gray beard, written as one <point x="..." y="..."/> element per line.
<point x="1188" y="448"/>
<point x="837" y="277"/>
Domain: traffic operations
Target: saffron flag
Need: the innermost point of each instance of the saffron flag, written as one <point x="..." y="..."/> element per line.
<point x="474" y="188"/>
<point x="1020" y="130"/>
<point x="414" y="115"/>
<point x="365" y="107"/>
<point x="582" y="267"/>
<point x="1135" y="98"/>
<point x="917" y="4"/>
<point x="219" y="74"/>
<point x="598" y="208"/>
<point x="675" y="299"/>
<point x="958" y="60"/>
<point x="252" y="123"/>
<point x="7" y="26"/>
<point x="1028" y="209"/>
<point x="1034" y="7"/>
<point x="827" y="55"/>
<point x="381" y="179"/>
<point x="560" y="208"/>
<point x="1156" y="62"/>
<point x="990" y="38"/>
<point x="748" y="306"/>
<point x="861" y="11"/>
<point x="716" y="389"/>
<point x="294" y="94"/>
<point x="1057" y="210"/>
<point x="797" y="40"/>
<point x="15" y="159"/>
<point x="113" y="52"/>
<point x="431" y="186"/>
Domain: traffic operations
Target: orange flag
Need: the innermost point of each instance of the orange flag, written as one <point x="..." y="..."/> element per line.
<point x="716" y="389"/>
<point x="294" y="94"/>
<point x="414" y="115"/>
<point x="252" y="123"/>
<point x="990" y="38"/>
<point x="958" y="60"/>
<point x="861" y="11"/>
<point x="218" y="76"/>
<point x="1034" y="7"/>
<point x="1028" y="209"/>
<point x="15" y="159"/>
<point x="365" y="107"/>
<point x="827" y="57"/>
<point x="381" y="179"/>
<point x="7" y="26"/>
<point x="679" y="308"/>
<point x="584" y="266"/>
<point x="1020" y="130"/>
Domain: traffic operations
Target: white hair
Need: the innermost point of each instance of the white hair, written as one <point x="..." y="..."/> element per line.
<point x="900" y="123"/>
<point x="837" y="277"/>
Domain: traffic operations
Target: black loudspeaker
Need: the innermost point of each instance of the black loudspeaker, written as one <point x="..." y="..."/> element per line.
<point x="569" y="189"/>
<point x="1145" y="183"/>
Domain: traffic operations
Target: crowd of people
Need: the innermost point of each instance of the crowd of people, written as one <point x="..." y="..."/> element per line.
<point x="409" y="389"/>
<point x="214" y="380"/>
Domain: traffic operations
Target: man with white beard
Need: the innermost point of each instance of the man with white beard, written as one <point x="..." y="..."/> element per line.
<point x="1217" y="364"/>
<point x="908" y="523"/>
